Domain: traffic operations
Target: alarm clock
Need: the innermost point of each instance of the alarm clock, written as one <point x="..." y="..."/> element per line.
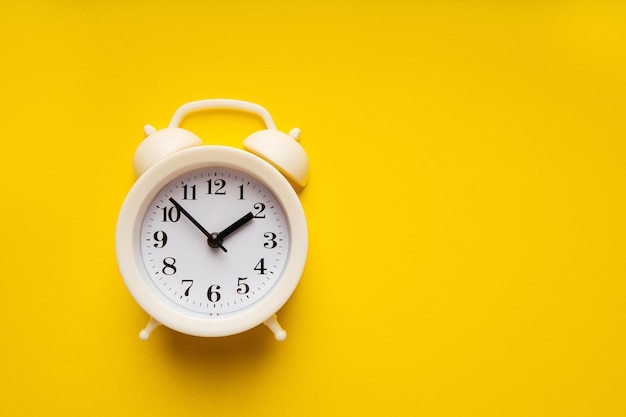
<point x="212" y="240"/>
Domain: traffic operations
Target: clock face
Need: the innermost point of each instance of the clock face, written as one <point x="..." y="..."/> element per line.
<point x="214" y="241"/>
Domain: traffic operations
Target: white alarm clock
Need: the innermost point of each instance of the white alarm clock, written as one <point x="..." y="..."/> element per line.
<point x="212" y="240"/>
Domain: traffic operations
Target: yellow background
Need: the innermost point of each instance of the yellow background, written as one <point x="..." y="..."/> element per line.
<point x="466" y="205"/>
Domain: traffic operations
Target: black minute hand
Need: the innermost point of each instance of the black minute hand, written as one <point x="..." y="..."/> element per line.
<point x="210" y="238"/>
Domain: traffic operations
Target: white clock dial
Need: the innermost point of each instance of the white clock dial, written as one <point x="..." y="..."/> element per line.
<point x="214" y="241"/>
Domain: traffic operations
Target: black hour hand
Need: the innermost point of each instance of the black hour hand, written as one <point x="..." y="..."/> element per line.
<point x="216" y="239"/>
<point x="243" y="220"/>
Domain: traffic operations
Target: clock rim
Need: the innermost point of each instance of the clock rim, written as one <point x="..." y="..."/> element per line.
<point x="130" y="260"/>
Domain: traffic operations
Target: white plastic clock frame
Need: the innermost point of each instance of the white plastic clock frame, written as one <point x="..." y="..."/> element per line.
<point x="129" y="252"/>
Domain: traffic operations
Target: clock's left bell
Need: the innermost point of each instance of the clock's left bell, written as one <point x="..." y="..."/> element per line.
<point x="160" y="143"/>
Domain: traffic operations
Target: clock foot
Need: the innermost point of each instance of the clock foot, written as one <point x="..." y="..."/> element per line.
<point x="145" y="333"/>
<point x="272" y="324"/>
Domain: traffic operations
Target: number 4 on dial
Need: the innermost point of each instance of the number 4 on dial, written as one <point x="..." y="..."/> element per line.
<point x="260" y="266"/>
